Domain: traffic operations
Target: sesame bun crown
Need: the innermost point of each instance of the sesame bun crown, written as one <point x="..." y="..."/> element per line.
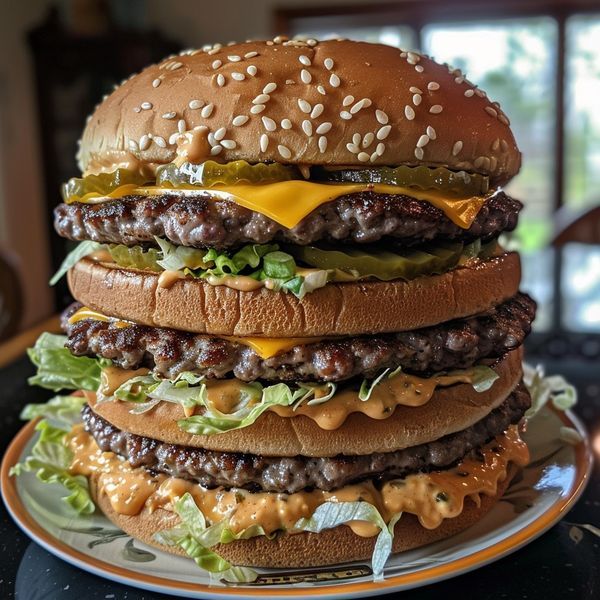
<point x="335" y="102"/>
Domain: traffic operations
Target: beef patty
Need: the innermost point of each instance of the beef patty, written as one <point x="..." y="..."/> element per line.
<point x="285" y="474"/>
<point x="452" y="345"/>
<point x="202" y="221"/>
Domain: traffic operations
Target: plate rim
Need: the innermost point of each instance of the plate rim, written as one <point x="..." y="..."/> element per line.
<point x="583" y="464"/>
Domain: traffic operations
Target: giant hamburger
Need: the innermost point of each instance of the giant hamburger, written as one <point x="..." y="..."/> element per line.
<point x="296" y="339"/>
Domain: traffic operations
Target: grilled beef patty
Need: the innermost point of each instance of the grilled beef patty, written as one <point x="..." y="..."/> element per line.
<point x="202" y="221"/>
<point x="285" y="474"/>
<point x="453" y="345"/>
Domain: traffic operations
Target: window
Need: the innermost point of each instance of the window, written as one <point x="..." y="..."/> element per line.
<point x="541" y="61"/>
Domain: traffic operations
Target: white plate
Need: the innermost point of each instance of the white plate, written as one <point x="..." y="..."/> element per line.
<point x="537" y="498"/>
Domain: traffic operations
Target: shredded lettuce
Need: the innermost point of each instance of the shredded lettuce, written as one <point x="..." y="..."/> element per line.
<point x="81" y="250"/>
<point x="60" y="409"/>
<point x="543" y="389"/>
<point x="58" y="369"/>
<point x="50" y="459"/>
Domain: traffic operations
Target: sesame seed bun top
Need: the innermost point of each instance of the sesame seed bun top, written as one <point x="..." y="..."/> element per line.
<point x="335" y="102"/>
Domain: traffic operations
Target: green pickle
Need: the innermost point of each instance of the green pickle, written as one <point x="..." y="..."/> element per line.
<point x="460" y="183"/>
<point x="136" y="257"/>
<point x="383" y="264"/>
<point x="211" y="173"/>
<point x="101" y="184"/>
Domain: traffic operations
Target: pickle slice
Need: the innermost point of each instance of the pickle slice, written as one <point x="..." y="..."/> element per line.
<point x="136" y="257"/>
<point x="101" y="184"/>
<point x="382" y="264"/>
<point x="459" y="183"/>
<point x="211" y="173"/>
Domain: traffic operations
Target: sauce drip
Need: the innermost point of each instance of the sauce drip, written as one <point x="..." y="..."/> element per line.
<point x="431" y="497"/>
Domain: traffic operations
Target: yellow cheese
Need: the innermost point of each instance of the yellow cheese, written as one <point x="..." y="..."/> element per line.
<point x="288" y="202"/>
<point x="268" y="347"/>
<point x="87" y="313"/>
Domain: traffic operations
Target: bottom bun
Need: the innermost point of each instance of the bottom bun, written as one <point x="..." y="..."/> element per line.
<point x="331" y="546"/>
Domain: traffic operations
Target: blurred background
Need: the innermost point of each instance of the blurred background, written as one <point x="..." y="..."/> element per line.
<point x="539" y="58"/>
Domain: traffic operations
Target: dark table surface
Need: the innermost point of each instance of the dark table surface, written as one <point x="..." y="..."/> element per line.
<point x="556" y="565"/>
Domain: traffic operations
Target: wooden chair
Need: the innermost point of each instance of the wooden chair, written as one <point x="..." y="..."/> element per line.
<point x="11" y="299"/>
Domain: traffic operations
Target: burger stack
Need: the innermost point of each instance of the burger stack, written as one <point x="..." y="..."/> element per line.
<point x="298" y="336"/>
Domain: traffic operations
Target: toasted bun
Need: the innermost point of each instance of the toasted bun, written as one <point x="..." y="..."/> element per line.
<point x="451" y="409"/>
<point x="354" y="308"/>
<point x="331" y="546"/>
<point x="416" y="111"/>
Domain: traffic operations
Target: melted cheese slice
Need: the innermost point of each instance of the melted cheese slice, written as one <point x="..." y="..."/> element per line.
<point x="87" y="313"/>
<point x="268" y="347"/>
<point x="288" y="202"/>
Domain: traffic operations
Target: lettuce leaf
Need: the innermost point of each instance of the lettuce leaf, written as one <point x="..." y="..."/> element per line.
<point x="50" y="459"/>
<point x="196" y="538"/>
<point x="58" y="369"/>
<point x="544" y="389"/>
<point x="81" y="250"/>
<point x="60" y="409"/>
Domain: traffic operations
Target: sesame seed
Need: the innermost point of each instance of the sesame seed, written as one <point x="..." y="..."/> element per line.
<point x="146" y="105"/>
<point x="160" y="141"/>
<point x="480" y="93"/>
<point x="229" y="144"/>
<point x="311" y="42"/>
<point x="289" y="82"/>
<point x="345" y="115"/>
<point x="459" y="79"/>
<point x="504" y="145"/>
<point x="457" y="148"/>
<point x="195" y="104"/>
<point x="380" y="149"/>
<point x="220" y="80"/>
<point x="414" y="90"/>
<point x="419" y="153"/>
<point x="503" y="119"/>
<point x="136" y="109"/>
<point x="353" y="148"/>
<point x="207" y="111"/>
<point x="328" y="62"/>
<point x="305" y="107"/>
<point x="286" y="124"/>
<point x="144" y="142"/>
<point x="417" y="99"/>
<point x="261" y="99"/>
<point x="419" y="68"/>
<point x="423" y="141"/>
<point x="305" y="76"/>
<point x="348" y="100"/>
<point x="409" y="112"/>
<point x="216" y="64"/>
<point x="169" y="115"/>
<point x="469" y="93"/>
<point x="334" y="80"/>
<point x="493" y="163"/>
<point x="250" y="54"/>
<point x="181" y="126"/>
<point x="234" y="58"/>
<point x="216" y="150"/>
<point x="240" y="120"/>
<point x="384" y="132"/>
<point x="433" y="86"/>
<point x="481" y="161"/>
<point x="270" y="87"/>
<point x="491" y="111"/>
<point x="264" y="142"/>
<point x="356" y="139"/>
<point x="324" y="128"/>
<point x="257" y="108"/>
<point x="431" y="132"/>
<point x="251" y="70"/>
<point x="363" y="156"/>
<point x="321" y="90"/>
<point x="269" y="124"/>
<point x="220" y="133"/>
<point x="436" y="109"/>
<point x="213" y="51"/>
<point x="307" y="127"/>
<point x="368" y="139"/>
<point x="381" y="117"/>
<point x="374" y="156"/>
<point x="156" y="83"/>
<point x="316" y="111"/>
<point x="238" y="76"/>
<point x="173" y="138"/>
<point x="496" y="144"/>
<point x="322" y="144"/>
<point x="304" y="60"/>
<point x="133" y="145"/>
<point x="284" y="151"/>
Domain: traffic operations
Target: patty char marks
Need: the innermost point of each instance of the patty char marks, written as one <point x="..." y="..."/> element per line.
<point x="455" y="344"/>
<point x="293" y="474"/>
<point x="204" y="221"/>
